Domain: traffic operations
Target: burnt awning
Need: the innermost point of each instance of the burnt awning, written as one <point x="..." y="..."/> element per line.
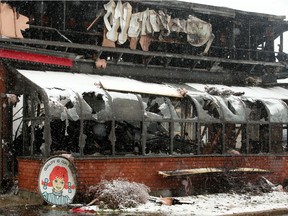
<point x="255" y="92"/>
<point x="106" y="98"/>
<point x="103" y="98"/>
<point x="233" y="108"/>
<point x="277" y="110"/>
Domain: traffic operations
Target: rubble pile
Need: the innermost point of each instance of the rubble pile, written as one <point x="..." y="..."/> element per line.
<point x="118" y="194"/>
<point x="235" y="184"/>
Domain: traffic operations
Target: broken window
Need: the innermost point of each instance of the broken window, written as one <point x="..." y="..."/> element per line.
<point x="257" y="128"/>
<point x="157" y="124"/>
<point x="128" y="137"/>
<point x="97" y="138"/>
<point x="184" y="141"/>
<point x="265" y="130"/>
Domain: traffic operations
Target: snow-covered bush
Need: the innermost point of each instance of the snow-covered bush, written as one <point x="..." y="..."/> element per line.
<point x="118" y="194"/>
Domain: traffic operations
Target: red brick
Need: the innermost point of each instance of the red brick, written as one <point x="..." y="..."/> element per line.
<point x="92" y="171"/>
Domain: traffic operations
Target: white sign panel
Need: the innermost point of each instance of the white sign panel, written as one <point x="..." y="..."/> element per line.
<point x="57" y="181"/>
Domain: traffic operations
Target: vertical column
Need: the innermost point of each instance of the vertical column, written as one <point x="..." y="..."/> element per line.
<point x="249" y="39"/>
<point x="2" y="90"/>
<point x="281" y="45"/>
<point x="223" y="146"/>
<point x="1" y="153"/>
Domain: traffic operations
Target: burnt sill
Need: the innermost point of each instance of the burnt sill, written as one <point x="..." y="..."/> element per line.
<point x="40" y="158"/>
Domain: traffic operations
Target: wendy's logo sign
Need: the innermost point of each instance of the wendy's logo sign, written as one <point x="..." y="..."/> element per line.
<point x="57" y="181"/>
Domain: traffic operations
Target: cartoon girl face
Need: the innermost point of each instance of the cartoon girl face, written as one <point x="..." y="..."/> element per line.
<point x="58" y="184"/>
<point x="58" y="179"/>
<point x="56" y="188"/>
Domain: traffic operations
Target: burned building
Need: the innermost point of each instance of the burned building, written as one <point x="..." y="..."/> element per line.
<point x="131" y="88"/>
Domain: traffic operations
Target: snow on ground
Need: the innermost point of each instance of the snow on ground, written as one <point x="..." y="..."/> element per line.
<point x="217" y="204"/>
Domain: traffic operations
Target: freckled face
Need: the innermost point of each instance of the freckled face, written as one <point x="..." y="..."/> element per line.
<point x="58" y="184"/>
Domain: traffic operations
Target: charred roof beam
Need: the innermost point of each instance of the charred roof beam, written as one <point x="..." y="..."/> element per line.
<point x="99" y="49"/>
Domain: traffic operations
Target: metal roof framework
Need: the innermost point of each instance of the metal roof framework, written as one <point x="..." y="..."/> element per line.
<point x="120" y="99"/>
<point x="163" y="65"/>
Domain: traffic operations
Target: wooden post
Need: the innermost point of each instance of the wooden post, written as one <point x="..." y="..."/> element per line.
<point x="2" y="90"/>
<point x="1" y="155"/>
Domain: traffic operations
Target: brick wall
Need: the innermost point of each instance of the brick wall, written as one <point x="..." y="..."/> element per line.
<point x="28" y="173"/>
<point x="145" y="169"/>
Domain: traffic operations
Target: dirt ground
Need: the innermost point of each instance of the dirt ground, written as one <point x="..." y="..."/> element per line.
<point x="18" y="200"/>
<point x="7" y="201"/>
